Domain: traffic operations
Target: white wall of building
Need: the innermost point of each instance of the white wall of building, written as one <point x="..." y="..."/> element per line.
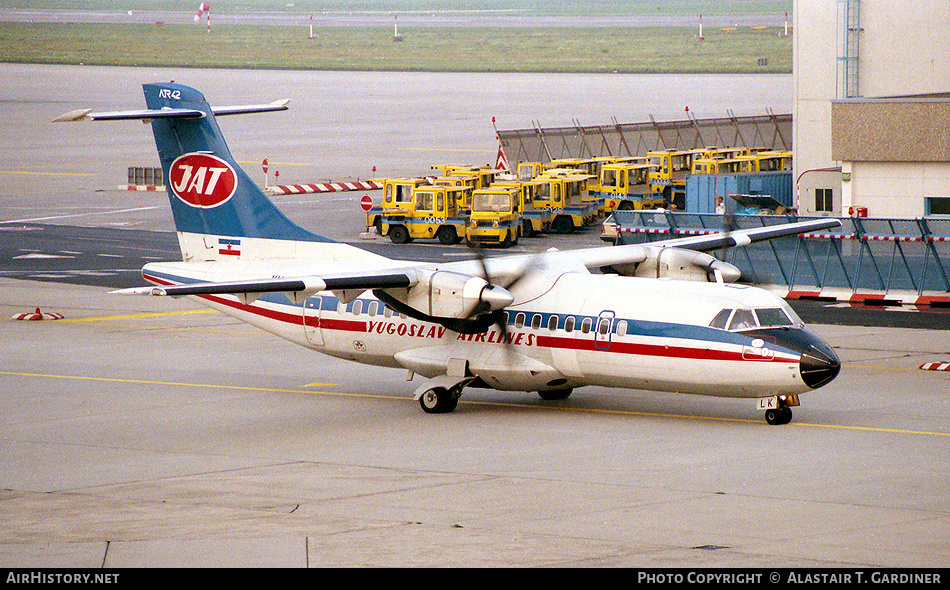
<point x="904" y="50"/>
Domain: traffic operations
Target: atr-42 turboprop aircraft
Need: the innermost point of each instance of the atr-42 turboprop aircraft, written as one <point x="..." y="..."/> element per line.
<point x="663" y="316"/>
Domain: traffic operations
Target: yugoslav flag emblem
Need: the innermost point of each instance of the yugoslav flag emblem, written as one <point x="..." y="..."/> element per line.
<point x="202" y="180"/>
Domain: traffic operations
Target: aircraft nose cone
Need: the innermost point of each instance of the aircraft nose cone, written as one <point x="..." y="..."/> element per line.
<point x="819" y="365"/>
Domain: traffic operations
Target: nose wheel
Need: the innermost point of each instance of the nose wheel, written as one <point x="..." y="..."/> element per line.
<point x="779" y="416"/>
<point x="778" y="408"/>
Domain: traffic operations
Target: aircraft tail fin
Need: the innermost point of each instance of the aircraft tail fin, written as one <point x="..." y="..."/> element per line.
<point x="219" y="211"/>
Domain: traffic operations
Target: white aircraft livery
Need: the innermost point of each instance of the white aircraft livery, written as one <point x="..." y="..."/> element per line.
<point x="663" y="316"/>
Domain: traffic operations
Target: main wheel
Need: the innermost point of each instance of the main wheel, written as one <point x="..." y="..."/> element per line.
<point x="555" y="394"/>
<point x="438" y="400"/>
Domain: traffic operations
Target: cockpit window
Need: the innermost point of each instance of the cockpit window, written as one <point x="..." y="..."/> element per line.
<point x="721" y="319"/>
<point x="743" y="319"/>
<point x="773" y="317"/>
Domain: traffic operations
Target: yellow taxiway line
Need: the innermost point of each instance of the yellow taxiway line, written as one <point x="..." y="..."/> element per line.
<point x="483" y="403"/>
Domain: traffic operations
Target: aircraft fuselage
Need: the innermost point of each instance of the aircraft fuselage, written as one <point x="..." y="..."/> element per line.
<point x="581" y="329"/>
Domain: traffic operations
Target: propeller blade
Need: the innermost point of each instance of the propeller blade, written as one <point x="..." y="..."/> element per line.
<point x="496" y="298"/>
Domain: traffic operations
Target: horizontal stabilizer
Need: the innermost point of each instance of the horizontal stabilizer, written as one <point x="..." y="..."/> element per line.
<point x="145" y="115"/>
<point x="168" y="113"/>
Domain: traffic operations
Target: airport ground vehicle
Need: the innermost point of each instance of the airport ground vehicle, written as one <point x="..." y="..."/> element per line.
<point x="723" y="153"/>
<point x="584" y="165"/>
<point x="625" y="186"/>
<point x="529" y="170"/>
<point x="720" y="166"/>
<point x="768" y="161"/>
<point x="566" y="194"/>
<point x="534" y="219"/>
<point x="669" y="176"/>
<point x="481" y="176"/>
<point x="495" y="216"/>
<point x="397" y="195"/>
<point x="428" y="211"/>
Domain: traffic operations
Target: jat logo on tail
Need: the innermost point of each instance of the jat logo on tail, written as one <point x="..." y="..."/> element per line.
<point x="202" y="180"/>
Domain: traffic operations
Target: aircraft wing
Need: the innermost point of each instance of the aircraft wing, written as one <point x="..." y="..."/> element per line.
<point x="631" y="254"/>
<point x="743" y="237"/>
<point x="460" y="289"/>
<point x="307" y="285"/>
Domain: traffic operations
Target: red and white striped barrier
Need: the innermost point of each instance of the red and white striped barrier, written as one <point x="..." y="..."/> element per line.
<point x="908" y="298"/>
<point x="935" y="366"/>
<point x="35" y="316"/>
<point x="141" y="187"/>
<point x="327" y="187"/>
<point x="644" y="230"/>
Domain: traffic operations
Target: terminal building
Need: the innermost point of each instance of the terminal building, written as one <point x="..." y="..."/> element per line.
<point x="871" y="120"/>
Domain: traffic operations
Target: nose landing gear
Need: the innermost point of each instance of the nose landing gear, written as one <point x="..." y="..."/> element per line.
<point x="778" y="408"/>
<point x="782" y="415"/>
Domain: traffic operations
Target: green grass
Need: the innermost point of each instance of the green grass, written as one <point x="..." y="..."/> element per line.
<point x="540" y="7"/>
<point x="625" y="50"/>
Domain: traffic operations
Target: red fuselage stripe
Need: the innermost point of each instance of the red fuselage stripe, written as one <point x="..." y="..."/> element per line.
<point x="541" y="341"/>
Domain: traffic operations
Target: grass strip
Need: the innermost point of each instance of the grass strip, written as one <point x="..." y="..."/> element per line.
<point x="561" y="50"/>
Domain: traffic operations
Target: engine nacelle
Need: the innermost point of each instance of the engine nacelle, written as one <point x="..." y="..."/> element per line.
<point x="685" y="265"/>
<point x="444" y="294"/>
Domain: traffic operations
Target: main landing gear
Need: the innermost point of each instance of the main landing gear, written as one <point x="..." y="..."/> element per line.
<point x="440" y="400"/>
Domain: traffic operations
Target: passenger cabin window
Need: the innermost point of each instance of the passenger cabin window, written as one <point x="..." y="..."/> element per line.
<point x="621" y="328"/>
<point x="604" y="327"/>
<point x="357" y="307"/>
<point x="552" y="323"/>
<point x="569" y="324"/>
<point x="536" y="321"/>
<point x="586" y="325"/>
<point x="373" y="308"/>
<point x="519" y="320"/>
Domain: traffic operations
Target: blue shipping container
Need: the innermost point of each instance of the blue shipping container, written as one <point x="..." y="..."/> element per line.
<point x="702" y="189"/>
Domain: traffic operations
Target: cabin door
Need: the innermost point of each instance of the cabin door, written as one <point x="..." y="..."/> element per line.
<point x="311" y="320"/>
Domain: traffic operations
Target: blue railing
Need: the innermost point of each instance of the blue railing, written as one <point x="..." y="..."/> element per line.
<point x="867" y="258"/>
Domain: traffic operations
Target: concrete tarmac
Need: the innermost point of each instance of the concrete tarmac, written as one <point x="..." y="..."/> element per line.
<point x="146" y="432"/>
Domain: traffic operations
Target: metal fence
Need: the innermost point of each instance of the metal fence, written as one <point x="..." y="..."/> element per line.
<point x="870" y="260"/>
<point x="539" y="144"/>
